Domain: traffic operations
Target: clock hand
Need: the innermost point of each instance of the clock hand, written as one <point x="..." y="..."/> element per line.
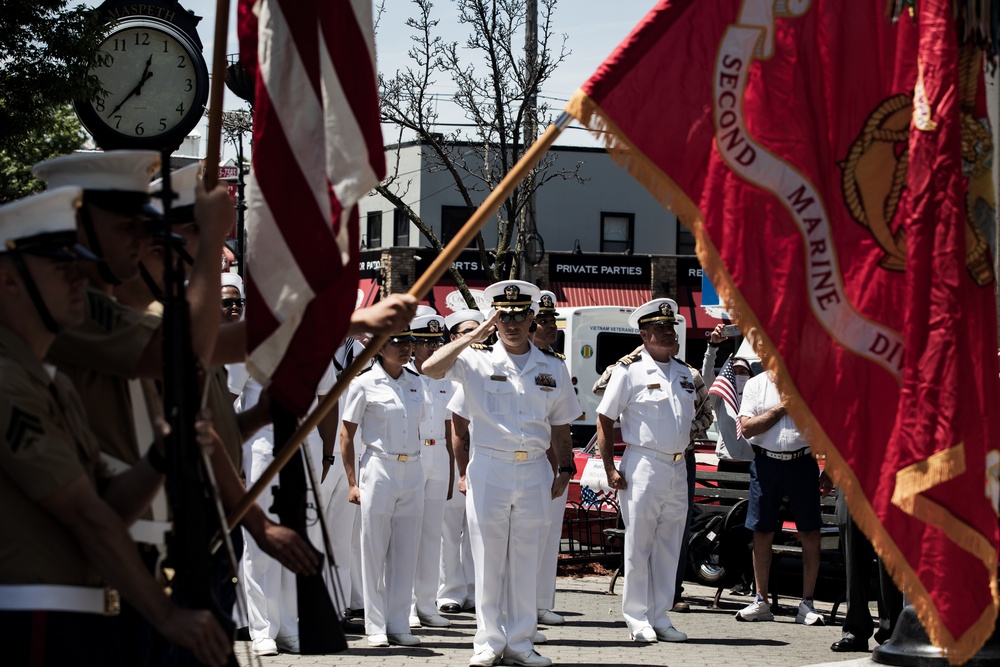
<point x="138" y="87"/>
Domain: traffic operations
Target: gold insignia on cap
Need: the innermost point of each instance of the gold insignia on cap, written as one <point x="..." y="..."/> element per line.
<point x="666" y="310"/>
<point x="546" y="301"/>
<point x="434" y="326"/>
<point x="512" y="292"/>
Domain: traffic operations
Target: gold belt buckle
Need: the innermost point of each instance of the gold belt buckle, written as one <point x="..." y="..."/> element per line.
<point x="112" y="601"/>
<point x="402" y="457"/>
<point x="520" y="455"/>
<point x="428" y="442"/>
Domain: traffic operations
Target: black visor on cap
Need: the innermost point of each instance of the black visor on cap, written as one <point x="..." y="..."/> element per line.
<point x="54" y="245"/>
<point x="128" y="202"/>
<point x="406" y="337"/>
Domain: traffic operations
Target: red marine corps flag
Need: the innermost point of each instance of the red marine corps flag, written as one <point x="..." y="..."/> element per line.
<point x="834" y="168"/>
<point x="317" y="151"/>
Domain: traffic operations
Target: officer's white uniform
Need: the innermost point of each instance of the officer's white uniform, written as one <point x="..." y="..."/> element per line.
<point x="655" y="404"/>
<point x="391" y="480"/>
<point x="509" y="482"/>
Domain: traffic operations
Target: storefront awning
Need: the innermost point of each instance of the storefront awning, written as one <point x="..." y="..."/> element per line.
<point x="576" y="295"/>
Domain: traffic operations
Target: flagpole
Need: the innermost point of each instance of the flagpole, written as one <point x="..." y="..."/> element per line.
<point x="215" y="96"/>
<point x="420" y="288"/>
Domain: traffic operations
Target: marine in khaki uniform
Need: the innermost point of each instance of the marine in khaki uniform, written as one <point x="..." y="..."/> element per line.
<point x="67" y="513"/>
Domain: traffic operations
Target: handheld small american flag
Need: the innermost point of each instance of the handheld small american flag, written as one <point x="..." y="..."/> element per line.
<point x="317" y="151"/>
<point x="725" y="388"/>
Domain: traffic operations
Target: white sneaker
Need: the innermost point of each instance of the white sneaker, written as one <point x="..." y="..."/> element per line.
<point x="644" y="635"/>
<point x="415" y="622"/>
<point x="264" y="646"/>
<point x="378" y="640"/>
<point x="670" y="634"/>
<point x="549" y="617"/>
<point x="403" y="639"/>
<point x="539" y="638"/>
<point x="485" y="658"/>
<point x="758" y="610"/>
<point x="526" y="659"/>
<point x="289" y="644"/>
<point x="808" y="615"/>
<point x="430" y="621"/>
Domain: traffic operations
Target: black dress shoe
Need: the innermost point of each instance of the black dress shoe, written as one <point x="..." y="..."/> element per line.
<point x="850" y="645"/>
<point x="352" y="628"/>
<point x="450" y="608"/>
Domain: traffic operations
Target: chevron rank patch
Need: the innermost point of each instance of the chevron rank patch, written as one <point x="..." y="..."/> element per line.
<point x="23" y="429"/>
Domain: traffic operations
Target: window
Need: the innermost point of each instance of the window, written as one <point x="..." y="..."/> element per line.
<point x="373" y="237"/>
<point x="400" y="228"/>
<point x="617" y="230"/>
<point x="452" y="219"/>
<point x="685" y="240"/>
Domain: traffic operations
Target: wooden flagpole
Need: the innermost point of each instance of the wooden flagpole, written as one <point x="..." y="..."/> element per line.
<point x="215" y="96"/>
<point x="420" y="288"/>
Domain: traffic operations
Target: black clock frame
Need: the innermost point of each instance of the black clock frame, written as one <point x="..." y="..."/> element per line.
<point x="108" y="138"/>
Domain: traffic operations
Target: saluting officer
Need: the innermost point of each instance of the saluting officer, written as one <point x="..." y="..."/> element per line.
<point x="386" y="402"/>
<point x="436" y="458"/>
<point x="514" y="395"/>
<point x="653" y="395"/>
<point x="62" y="539"/>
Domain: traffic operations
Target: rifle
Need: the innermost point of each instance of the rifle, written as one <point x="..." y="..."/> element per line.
<point x="189" y="482"/>
<point x="320" y="630"/>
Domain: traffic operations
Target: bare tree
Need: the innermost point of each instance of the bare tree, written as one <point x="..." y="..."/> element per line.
<point x="496" y="92"/>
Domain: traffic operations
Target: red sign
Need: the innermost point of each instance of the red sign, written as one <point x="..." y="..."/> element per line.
<point x="228" y="172"/>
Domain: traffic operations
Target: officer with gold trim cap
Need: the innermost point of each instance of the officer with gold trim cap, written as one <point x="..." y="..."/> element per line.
<point x="515" y="394"/>
<point x="69" y="541"/>
<point x="653" y="395"/>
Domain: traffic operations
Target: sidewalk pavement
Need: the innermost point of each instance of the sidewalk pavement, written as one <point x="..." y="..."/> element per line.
<point x="595" y="634"/>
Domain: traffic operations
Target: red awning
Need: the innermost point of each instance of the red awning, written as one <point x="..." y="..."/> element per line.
<point x="575" y="295"/>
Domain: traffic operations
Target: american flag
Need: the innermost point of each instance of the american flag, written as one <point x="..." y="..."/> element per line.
<point x="589" y="496"/>
<point x="317" y="151"/>
<point x="725" y="388"/>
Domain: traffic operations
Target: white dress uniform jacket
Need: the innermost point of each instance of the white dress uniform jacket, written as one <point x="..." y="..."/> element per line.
<point x="655" y="404"/>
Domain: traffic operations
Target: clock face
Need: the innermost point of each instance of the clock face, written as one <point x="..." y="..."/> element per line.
<point x="156" y="86"/>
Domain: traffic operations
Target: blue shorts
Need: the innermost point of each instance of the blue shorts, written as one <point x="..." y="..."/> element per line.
<point x="771" y="480"/>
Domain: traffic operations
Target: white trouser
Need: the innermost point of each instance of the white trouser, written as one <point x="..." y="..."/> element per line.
<point x="425" y="583"/>
<point x="270" y="587"/>
<point x="392" y="505"/>
<point x="504" y="507"/>
<point x="457" y="575"/>
<point x="549" y="558"/>
<point x="654" y="509"/>
<point x="357" y="589"/>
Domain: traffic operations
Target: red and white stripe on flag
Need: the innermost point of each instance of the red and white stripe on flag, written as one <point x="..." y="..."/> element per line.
<point x="317" y="151"/>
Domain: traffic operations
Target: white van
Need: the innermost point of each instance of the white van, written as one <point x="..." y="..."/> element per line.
<point x="594" y="338"/>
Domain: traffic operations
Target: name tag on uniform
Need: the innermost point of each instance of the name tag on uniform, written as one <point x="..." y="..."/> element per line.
<point x="653" y="386"/>
<point x="499" y="378"/>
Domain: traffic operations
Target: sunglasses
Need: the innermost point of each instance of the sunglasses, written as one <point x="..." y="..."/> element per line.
<point x="507" y="318"/>
<point x="229" y="303"/>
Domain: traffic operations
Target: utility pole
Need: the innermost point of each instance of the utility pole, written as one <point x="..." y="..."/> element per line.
<point x="529" y="243"/>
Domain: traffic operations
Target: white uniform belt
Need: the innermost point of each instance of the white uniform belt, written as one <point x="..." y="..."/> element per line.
<point x="663" y="456"/>
<point x="518" y="456"/>
<point x="150" y="532"/>
<point x="40" y="597"/>
<point x="393" y="457"/>
<point x="781" y="456"/>
<point x="144" y="531"/>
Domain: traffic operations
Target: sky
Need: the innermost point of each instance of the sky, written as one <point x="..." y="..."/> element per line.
<point x="593" y="28"/>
